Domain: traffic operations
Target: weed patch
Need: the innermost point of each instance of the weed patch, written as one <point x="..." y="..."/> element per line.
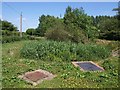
<point x="52" y="50"/>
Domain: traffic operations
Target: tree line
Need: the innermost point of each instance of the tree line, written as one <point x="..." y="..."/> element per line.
<point x="75" y="26"/>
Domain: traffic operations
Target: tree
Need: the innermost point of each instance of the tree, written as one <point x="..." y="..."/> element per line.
<point x="109" y="29"/>
<point x="77" y="17"/>
<point x="78" y="24"/>
<point x="57" y="32"/>
<point x="45" y="23"/>
<point x="8" y="26"/>
<point x="118" y="15"/>
<point x="68" y="9"/>
<point x="117" y="9"/>
<point x="30" y="31"/>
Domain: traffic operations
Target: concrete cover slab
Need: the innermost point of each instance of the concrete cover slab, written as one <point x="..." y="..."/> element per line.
<point x="88" y="66"/>
<point x="37" y="76"/>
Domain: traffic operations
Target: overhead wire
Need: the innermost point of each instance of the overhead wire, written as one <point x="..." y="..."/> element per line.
<point x="12" y="8"/>
<point x="16" y="11"/>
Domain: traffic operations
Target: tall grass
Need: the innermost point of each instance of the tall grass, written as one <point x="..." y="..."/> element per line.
<point x="53" y="50"/>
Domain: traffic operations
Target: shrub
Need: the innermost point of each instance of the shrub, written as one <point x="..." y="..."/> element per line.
<point x="50" y="50"/>
<point x="58" y="35"/>
<point x="9" y="33"/>
<point x="8" y="39"/>
<point x="79" y="36"/>
<point x="30" y="31"/>
<point x="57" y="32"/>
<point x="6" y="32"/>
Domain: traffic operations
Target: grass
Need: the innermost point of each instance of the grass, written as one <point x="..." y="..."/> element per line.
<point x="67" y="75"/>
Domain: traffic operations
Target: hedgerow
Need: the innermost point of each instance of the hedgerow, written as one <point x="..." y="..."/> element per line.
<point x="9" y="39"/>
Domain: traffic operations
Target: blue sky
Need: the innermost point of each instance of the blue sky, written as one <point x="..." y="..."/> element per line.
<point x="33" y="10"/>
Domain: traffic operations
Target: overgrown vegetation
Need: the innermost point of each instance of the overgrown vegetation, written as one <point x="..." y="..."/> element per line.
<point x="30" y="31"/>
<point x="52" y="50"/>
<point x="68" y="76"/>
<point x="8" y="26"/>
<point x="10" y="33"/>
<point x="76" y="26"/>
<point x="109" y="29"/>
<point x="80" y="26"/>
<point x="9" y="39"/>
<point x="58" y="41"/>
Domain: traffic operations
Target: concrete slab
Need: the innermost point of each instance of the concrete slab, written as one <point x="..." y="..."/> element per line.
<point x="87" y="66"/>
<point x="37" y="76"/>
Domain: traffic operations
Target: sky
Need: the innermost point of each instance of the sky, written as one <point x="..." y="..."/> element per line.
<point x="31" y="11"/>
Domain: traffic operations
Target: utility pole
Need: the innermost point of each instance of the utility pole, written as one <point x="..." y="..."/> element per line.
<point x="21" y="25"/>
